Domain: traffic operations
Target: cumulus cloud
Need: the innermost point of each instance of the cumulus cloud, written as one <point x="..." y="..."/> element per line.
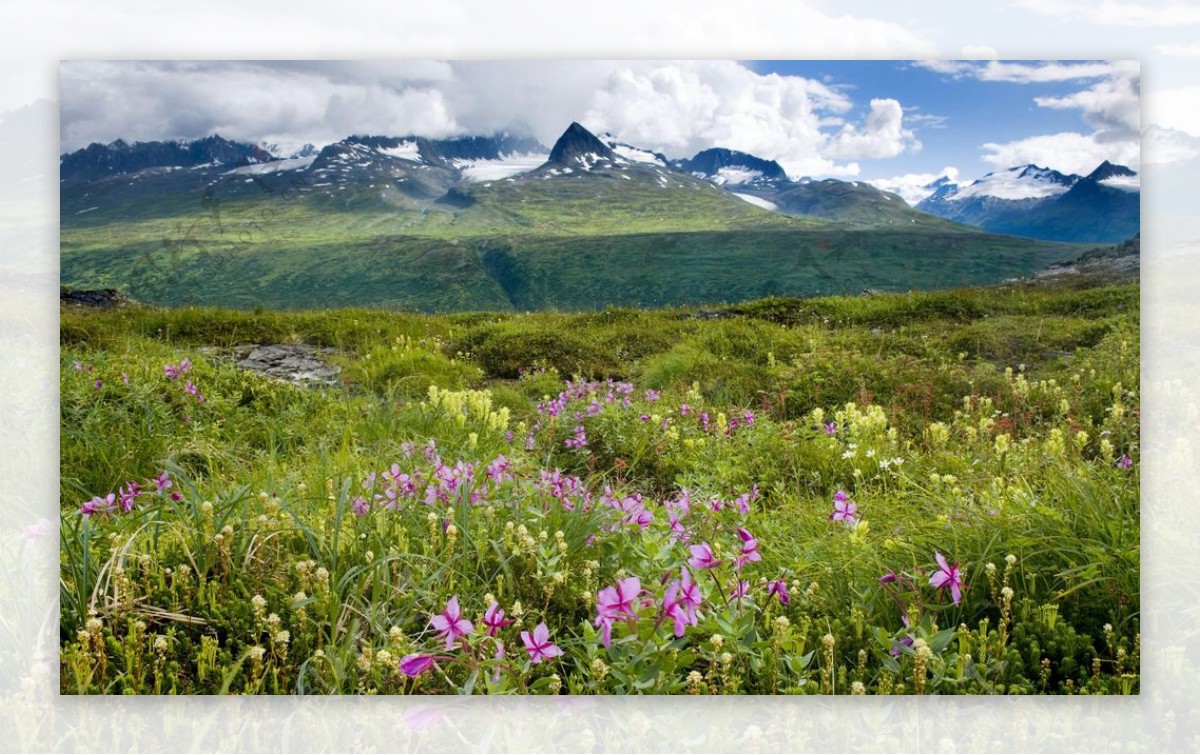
<point x="680" y="109"/>
<point x="1111" y="106"/>
<point x="1068" y="152"/>
<point x="1117" y="13"/>
<point x="676" y="107"/>
<point x="913" y="187"/>
<point x="882" y="135"/>
<point x="1109" y="102"/>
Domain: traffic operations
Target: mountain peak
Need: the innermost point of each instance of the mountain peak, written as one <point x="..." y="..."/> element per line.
<point x="577" y="142"/>
<point x="1107" y="170"/>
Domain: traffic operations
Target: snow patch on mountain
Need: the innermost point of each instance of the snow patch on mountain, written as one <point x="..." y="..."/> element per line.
<point x="492" y="170"/>
<point x="405" y="150"/>
<point x="636" y="155"/>
<point x="275" y="166"/>
<point x="734" y="176"/>
<point x="1124" y="183"/>
<point x="757" y="201"/>
<point x="1021" y="182"/>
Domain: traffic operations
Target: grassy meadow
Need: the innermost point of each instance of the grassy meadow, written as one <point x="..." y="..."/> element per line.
<point x="922" y="493"/>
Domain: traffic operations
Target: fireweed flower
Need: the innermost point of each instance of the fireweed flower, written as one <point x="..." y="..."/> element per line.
<point x="451" y="624"/>
<point x="843" y="509"/>
<point x="538" y="644"/>
<point x="831" y="428"/>
<point x="616" y="603"/>
<point x="360" y="506"/>
<point x="778" y="587"/>
<point x="887" y="578"/>
<point x="681" y="600"/>
<point x="906" y="641"/>
<point x="749" y="548"/>
<point x="162" y="482"/>
<point x="740" y="591"/>
<point x="99" y="505"/>
<point x="947" y="578"/>
<point x="493" y="619"/>
<point x="191" y="388"/>
<point x="415" y="665"/>
<point x="702" y="557"/>
<point x="652" y="395"/>
<point x="128" y="495"/>
<point x="1125" y="462"/>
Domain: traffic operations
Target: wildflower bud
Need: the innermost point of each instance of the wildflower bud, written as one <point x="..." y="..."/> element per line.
<point x="858" y="688"/>
<point x="558" y="535"/>
<point x="543" y="535"/>
<point x="599" y="668"/>
<point x="257" y="652"/>
<point x="1010" y="559"/>
<point x="299" y="597"/>
<point x="383" y="658"/>
<point x="1006" y="593"/>
<point x="782" y="623"/>
<point x="555" y="684"/>
<point x="94" y="625"/>
<point x="827" y="641"/>
<point x="206" y="507"/>
<point x="694" y="680"/>
<point x="921" y="649"/>
<point x="274" y="620"/>
<point x="716" y="640"/>
<point x="302" y="489"/>
<point x="282" y="637"/>
<point x="318" y="653"/>
<point x="990" y="567"/>
<point x="258" y="602"/>
<point x="322" y="574"/>
<point x="517" y="609"/>
<point x="726" y="659"/>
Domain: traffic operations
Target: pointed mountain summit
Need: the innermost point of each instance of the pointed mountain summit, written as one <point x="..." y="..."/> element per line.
<point x="1108" y="170"/>
<point x="577" y="144"/>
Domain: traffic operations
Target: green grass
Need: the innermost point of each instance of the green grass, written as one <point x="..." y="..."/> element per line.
<point x="1008" y="409"/>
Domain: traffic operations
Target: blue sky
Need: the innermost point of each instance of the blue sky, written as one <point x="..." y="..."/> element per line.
<point x="951" y="116"/>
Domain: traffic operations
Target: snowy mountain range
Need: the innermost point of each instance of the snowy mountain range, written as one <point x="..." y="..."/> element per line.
<point x="1028" y="200"/>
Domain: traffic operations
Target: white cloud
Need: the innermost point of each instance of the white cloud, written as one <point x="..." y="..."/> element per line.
<point x="1112" y="106"/>
<point x="1067" y="152"/>
<point x="883" y="135"/>
<point x="676" y="107"/>
<point x="1024" y="73"/>
<point x="912" y="186"/>
<point x="1116" y="13"/>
